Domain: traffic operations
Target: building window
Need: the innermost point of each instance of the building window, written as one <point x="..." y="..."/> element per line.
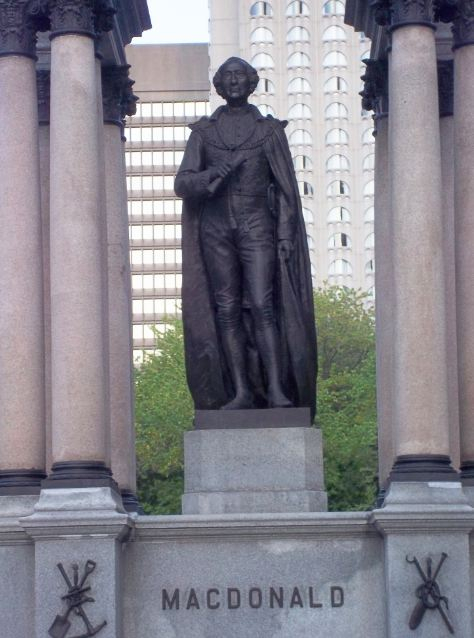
<point x="334" y="59"/>
<point x="297" y="8"/>
<point x="368" y="136"/>
<point x="369" y="189"/>
<point x="308" y="216"/>
<point x="300" y="136"/>
<point x="302" y="163"/>
<point x="369" y="215"/>
<point x="265" y="86"/>
<point x="298" y="59"/>
<point x="299" y="111"/>
<point x="262" y="61"/>
<point x="334" y="33"/>
<point x="336" y="110"/>
<point x="368" y="163"/>
<point x="340" y="267"/>
<point x="334" y="8"/>
<point x="369" y="267"/>
<point x="299" y="85"/>
<point x="261" y="9"/>
<point x="261" y="35"/>
<point x="369" y="241"/>
<point x="338" y="188"/>
<point x="298" y="34"/>
<point x="305" y="189"/>
<point x="339" y="214"/>
<point x="266" y="109"/>
<point x="337" y="136"/>
<point x="335" y="85"/>
<point x="337" y="162"/>
<point x="339" y="240"/>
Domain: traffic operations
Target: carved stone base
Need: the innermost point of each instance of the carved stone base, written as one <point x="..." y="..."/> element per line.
<point x="21" y="481"/>
<point x="80" y="474"/>
<point x="423" y="467"/>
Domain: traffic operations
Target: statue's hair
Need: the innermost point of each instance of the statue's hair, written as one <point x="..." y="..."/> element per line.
<point x="251" y="73"/>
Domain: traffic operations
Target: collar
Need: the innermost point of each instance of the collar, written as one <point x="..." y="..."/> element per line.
<point x="251" y="109"/>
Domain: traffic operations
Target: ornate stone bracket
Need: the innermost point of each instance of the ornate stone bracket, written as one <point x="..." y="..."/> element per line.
<point x="375" y="92"/>
<point x="117" y="94"/>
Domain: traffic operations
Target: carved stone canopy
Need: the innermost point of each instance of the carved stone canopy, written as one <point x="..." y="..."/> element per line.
<point x="18" y="27"/>
<point x="398" y="13"/>
<point x="375" y="92"/>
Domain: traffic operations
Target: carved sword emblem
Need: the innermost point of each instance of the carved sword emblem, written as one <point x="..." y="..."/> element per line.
<point x="75" y="599"/>
<point x="429" y="593"/>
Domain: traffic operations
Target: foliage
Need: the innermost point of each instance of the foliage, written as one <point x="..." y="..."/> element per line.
<point x="346" y="407"/>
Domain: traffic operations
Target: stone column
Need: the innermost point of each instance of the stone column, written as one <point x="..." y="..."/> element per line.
<point x="375" y="98"/>
<point x="79" y="348"/>
<point x="44" y="83"/>
<point x="21" y="310"/>
<point x="445" y="91"/>
<point x="463" y="30"/>
<point x="118" y="101"/>
<point x="421" y="428"/>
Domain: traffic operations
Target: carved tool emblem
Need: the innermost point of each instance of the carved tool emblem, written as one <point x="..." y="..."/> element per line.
<point x="429" y="593"/>
<point x="75" y="599"/>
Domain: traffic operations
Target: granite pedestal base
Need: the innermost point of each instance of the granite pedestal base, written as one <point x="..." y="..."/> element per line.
<point x="253" y="470"/>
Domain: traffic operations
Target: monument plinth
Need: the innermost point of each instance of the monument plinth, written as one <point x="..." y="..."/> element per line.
<point x="234" y="466"/>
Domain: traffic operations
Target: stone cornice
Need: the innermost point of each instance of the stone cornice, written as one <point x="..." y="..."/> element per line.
<point x="375" y="92"/>
<point x="43" y="79"/>
<point x="445" y="87"/>
<point x="17" y="28"/>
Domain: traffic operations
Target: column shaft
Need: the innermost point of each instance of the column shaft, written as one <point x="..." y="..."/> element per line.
<point x="464" y="228"/>
<point x="420" y="378"/>
<point x="79" y="384"/>
<point x="383" y="300"/>
<point x="21" y="310"/>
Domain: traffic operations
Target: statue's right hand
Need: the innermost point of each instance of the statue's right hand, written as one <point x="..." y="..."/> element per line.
<point x="222" y="171"/>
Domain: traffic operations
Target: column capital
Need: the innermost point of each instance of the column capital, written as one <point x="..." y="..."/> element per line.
<point x="19" y="22"/>
<point x="463" y="24"/>
<point x="445" y="87"/>
<point x="375" y="92"/>
<point x="399" y="13"/>
<point x="43" y="80"/>
<point x="117" y="94"/>
<point x="81" y="17"/>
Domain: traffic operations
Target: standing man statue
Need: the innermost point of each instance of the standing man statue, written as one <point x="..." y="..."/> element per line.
<point x="247" y="294"/>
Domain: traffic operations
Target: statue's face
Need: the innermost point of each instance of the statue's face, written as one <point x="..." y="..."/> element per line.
<point x="235" y="82"/>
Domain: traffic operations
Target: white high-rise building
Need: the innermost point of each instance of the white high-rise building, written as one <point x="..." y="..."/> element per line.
<point x="310" y="65"/>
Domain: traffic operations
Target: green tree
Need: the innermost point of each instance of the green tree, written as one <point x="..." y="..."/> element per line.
<point x="346" y="407"/>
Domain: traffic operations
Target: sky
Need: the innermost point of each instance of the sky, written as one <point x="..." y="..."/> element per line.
<point x="176" y="21"/>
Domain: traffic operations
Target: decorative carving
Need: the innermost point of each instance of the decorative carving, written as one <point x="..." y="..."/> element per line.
<point x="17" y="29"/>
<point x="72" y="16"/>
<point x="444" y="10"/>
<point x="445" y="87"/>
<point x="375" y="92"/>
<point x="75" y="598"/>
<point x="429" y="593"/>
<point x="43" y="79"/>
<point x="463" y="23"/>
<point x="117" y="94"/>
<point x="396" y="13"/>
<point x="104" y="13"/>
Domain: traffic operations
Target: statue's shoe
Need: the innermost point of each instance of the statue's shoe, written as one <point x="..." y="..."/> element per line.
<point x="242" y="401"/>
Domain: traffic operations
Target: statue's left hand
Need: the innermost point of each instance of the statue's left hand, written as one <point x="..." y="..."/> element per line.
<point x="285" y="248"/>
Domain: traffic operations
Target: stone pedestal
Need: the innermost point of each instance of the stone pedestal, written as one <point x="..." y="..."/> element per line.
<point x="253" y="470"/>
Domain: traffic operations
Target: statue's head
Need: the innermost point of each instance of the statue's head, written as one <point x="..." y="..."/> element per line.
<point x="235" y="80"/>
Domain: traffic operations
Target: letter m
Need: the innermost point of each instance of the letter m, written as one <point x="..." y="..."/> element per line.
<point x="170" y="603"/>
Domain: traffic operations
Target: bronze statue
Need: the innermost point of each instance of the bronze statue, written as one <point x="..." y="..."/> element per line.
<point x="247" y="294"/>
